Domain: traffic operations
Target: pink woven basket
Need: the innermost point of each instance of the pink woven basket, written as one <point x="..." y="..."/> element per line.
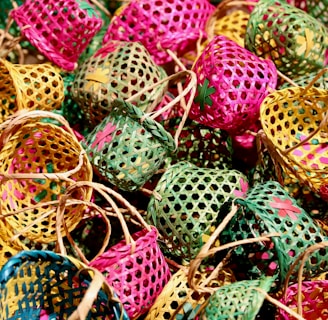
<point x="161" y="24"/>
<point x="232" y="83"/>
<point x="59" y="29"/>
<point x="314" y="300"/>
<point x="138" y="275"/>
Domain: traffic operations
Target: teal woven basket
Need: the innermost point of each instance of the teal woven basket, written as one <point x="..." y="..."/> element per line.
<point x="35" y="283"/>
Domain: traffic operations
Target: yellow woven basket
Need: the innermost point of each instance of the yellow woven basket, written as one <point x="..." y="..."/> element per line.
<point x="294" y="122"/>
<point x="30" y="86"/>
<point x="38" y="161"/>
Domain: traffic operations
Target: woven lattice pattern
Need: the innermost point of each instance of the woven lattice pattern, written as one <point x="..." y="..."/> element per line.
<point x="127" y="148"/>
<point x="118" y="70"/>
<point x="233" y="26"/>
<point x="202" y="146"/>
<point x="159" y="24"/>
<point x="314" y="300"/>
<point x="238" y="300"/>
<point x="42" y="281"/>
<point x="178" y="298"/>
<point x="288" y="116"/>
<point x="7" y="248"/>
<point x="303" y="81"/>
<point x="60" y="30"/>
<point x="319" y="10"/>
<point x="232" y="82"/>
<point x="190" y="200"/>
<point x="41" y="148"/>
<point x="267" y="209"/>
<point x="29" y="87"/>
<point x="138" y="276"/>
<point x="291" y="38"/>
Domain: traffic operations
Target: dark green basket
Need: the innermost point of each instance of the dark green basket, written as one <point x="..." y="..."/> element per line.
<point x="269" y="209"/>
<point x="186" y="203"/>
<point x="295" y="41"/>
<point x="127" y="147"/>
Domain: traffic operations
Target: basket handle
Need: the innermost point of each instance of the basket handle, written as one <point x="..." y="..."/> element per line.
<point x="207" y="251"/>
<point x="302" y="258"/>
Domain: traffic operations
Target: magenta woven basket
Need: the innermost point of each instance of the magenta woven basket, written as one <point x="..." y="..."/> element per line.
<point x="161" y="24"/>
<point x="314" y="300"/>
<point x="59" y="29"/>
<point x="232" y="83"/>
<point x="138" y="277"/>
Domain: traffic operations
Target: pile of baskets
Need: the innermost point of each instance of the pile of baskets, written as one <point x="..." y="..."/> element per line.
<point x="163" y="159"/>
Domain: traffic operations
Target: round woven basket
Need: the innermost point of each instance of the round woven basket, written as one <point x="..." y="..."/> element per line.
<point x="38" y="162"/>
<point x="29" y="86"/>
<point x="160" y="25"/>
<point x="294" y="123"/>
<point x="60" y="30"/>
<point x="45" y="285"/>
<point x="119" y="69"/>
<point x="232" y="83"/>
<point x="239" y="300"/>
<point x="269" y="209"/>
<point x="291" y="38"/>
<point x="128" y="147"/>
<point x="188" y="204"/>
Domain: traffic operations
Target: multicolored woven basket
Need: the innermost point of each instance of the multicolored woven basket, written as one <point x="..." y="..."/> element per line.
<point x="42" y="284"/>
<point x="61" y="30"/>
<point x="232" y="83"/>
<point x="38" y="162"/>
<point x="128" y="147"/>
<point x="295" y="41"/>
<point x="29" y="86"/>
<point x="294" y="123"/>
<point x="185" y="205"/>
<point x="161" y="25"/>
<point x="119" y="69"/>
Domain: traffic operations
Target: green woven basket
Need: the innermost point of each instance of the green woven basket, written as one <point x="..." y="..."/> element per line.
<point x="318" y="9"/>
<point x="200" y="145"/>
<point x="117" y="70"/>
<point x="239" y="300"/>
<point x="269" y="209"/>
<point x="295" y="41"/>
<point x="128" y="147"/>
<point x="188" y="205"/>
<point x="303" y="81"/>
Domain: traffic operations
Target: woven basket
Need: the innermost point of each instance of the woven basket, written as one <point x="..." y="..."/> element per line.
<point x="118" y="70"/>
<point x="291" y="38"/>
<point x="6" y="7"/>
<point x="188" y="204"/>
<point x="239" y="300"/>
<point x="135" y="266"/>
<point x="294" y="123"/>
<point x="232" y="82"/>
<point x="269" y="209"/>
<point x="61" y="30"/>
<point x="127" y="147"/>
<point x="35" y="283"/>
<point x="30" y="87"/>
<point x="319" y="10"/>
<point x="200" y="145"/>
<point x="230" y="20"/>
<point x="179" y="301"/>
<point x="38" y="161"/>
<point x="304" y="81"/>
<point x="160" y="25"/>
